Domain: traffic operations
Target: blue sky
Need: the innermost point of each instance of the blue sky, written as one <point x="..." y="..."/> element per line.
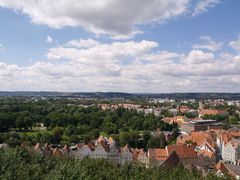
<point x="147" y="46"/>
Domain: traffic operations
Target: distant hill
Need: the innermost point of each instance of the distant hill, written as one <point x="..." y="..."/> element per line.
<point x="197" y="96"/>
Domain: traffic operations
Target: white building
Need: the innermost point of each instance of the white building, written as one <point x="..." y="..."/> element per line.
<point x="82" y="151"/>
<point x="126" y="155"/>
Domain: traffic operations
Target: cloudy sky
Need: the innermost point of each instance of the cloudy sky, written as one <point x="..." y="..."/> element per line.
<point x="120" y="45"/>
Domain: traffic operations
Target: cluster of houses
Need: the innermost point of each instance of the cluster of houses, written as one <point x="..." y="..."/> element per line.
<point x="213" y="149"/>
<point x="102" y="148"/>
<point x="216" y="146"/>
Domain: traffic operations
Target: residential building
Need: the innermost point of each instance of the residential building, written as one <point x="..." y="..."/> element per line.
<point x="126" y="155"/>
<point x="186" y="154"/>
<point x="229" y="145"/>
<point x="211" y="112"/>
<point x="199" y="125"/>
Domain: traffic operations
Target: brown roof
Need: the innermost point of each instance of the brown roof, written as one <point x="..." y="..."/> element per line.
<point x="182" y="150"/>
<point x="172" y="161"/>
<point x="197" y="138"/>
<point x="204" y="153"/>
<point x="225" y="169"/>
<point x="57" y="152"/>
<point x="137" y="153"/>
<point x="104" y="145"/>
<point x="158" y="154"/>
<point x="227" y="136"/>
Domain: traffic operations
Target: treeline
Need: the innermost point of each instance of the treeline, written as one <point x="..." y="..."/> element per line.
<point x="23" y="115"/>
<point x="20" y="164"/>
<point x="69" y="123"/>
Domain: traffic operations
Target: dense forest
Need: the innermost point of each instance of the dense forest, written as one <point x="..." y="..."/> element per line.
<point x="20" y="164"/>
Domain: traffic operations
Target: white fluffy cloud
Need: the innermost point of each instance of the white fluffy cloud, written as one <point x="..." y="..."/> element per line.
<point x="117" y="18"/>
<point x="131" y="66"/>
<point x="203" y="5"/>
<point x="208" y="43"/>
<point x="235" y="44"/>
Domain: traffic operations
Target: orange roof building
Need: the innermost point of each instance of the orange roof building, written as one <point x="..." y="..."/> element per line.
<point x="186" y="154"/>
<point x="211" y="112"/>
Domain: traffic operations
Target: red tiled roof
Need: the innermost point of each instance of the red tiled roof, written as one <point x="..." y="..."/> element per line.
<point x="158" y="154"/>
<point x="183" y="151"/>
<point x="197" y="138"/>
<point x="172" y="161"/>
<point x="204" y="153"/>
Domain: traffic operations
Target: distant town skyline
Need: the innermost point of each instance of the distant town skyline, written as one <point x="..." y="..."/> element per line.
<point x="147" y="46"/>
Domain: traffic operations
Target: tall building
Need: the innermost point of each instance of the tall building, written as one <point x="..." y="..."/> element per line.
<point x="201" y="105"/>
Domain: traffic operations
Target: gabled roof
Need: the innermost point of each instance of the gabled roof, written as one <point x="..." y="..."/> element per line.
<point x="158" y="154"/>
<point x="228" y="169"/>
<point x="46" y="146"/>
<point x="172" y="161"/>
<point x="66" y="149"/>
<point x="125" y="148"/>
<point x="37" y="147"/>
<point x="206" y="143"/>
<point x="104" y="145"/>
<point x="182" y="150"/>
<point x="57" y="152"/>
<point x="138" y="153"/>
<point x="204" y="153"/>
<point x="197" y="138"/>
<point x="110" y="140"/>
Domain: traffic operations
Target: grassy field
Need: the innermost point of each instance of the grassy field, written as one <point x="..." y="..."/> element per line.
<point x="32" y="132"/>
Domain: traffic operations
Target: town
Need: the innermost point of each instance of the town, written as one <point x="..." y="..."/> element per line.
<point x="207" y="134"/>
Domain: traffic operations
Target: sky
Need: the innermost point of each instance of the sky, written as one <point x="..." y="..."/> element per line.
<point x="135" y="46"/>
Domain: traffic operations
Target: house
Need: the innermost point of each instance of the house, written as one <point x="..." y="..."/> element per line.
<point x="140" y="156"/>
<point x="157" y="156"/>
<point x="143" y="158"/>
<point x="81" y="151"/>
<point x="228" y="143"/>
<point x="227" y="169"/>
<point x="186" y="154"/>
<point x="197" y="138"/>
<point x="206" y="158"/>
<point x="177" y="119"/>
<point x="231" y="151"/>
<point x="66" y="151"/>
<point x="38" y="149"/>
<point x="47" y="150"/>
<point x="204" y="145"/>
<point x="3" y="146"/>
<point x="211" y="112"/>
<point x="172" y="161"/>
<point x="126" y="155"/>
<point x="100" y="152"/>
<point x="57" y="152"/>
<point x="114" y="155"/>
<point x="199" y="125"/>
